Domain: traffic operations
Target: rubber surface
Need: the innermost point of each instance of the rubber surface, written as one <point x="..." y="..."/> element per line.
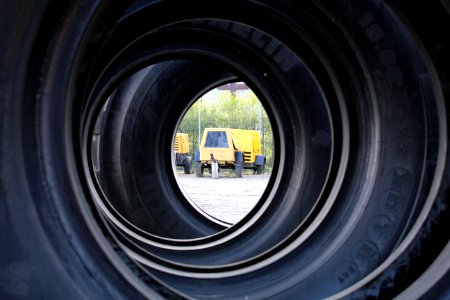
<point x="91" y="94"/>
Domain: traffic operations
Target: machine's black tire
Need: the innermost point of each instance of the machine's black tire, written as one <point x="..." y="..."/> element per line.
<point x="260" y="169"/>
<point x="187" y="165"/>
<point x="199" y="169"/>
<point x="238" y="170"/>
<point x="361" y="139"/>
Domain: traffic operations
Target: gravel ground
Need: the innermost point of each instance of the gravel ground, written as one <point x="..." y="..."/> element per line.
<point x="228" y="199"/>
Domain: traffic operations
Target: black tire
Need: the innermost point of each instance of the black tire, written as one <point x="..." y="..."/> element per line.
<point x="130" y="159"/>
<point x="199" y="169"/>
<point x="260" y="169"/>
<point x="357" y="206"/>
<point x="187" y="165"/>
<point x="238" y="170"/>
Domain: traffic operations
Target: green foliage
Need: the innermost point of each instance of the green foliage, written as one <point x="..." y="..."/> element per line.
<point x="229" y="110"/>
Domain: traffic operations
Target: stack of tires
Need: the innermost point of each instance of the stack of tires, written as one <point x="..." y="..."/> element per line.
<point x="92" y="93"/>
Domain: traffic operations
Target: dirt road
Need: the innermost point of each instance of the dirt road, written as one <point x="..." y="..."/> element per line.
<point x="228" y="199"/>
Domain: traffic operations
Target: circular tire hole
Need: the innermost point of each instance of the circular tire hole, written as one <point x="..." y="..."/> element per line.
<point x="224" y="152"/>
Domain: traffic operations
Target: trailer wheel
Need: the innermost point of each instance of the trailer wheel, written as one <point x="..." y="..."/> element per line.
<point x="358" y="95"/>
<point x="187" y="165"/>
<point x="238" y="169"/>
<point x="199" y="169"/>
<point x="260" y="169"/>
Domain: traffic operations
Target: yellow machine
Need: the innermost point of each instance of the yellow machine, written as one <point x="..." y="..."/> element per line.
<point x="181" y="148"/>
<point x="236" y="149"/>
